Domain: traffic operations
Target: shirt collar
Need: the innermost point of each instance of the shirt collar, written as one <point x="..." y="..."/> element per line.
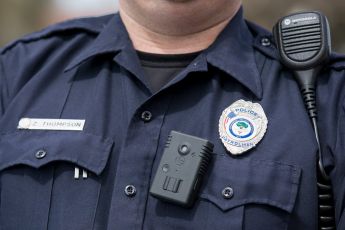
<point x="112" y="39"/>
<point x="232" y="52"/>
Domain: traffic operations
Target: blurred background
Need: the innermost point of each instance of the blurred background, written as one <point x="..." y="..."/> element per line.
<point x="19" y="17"/>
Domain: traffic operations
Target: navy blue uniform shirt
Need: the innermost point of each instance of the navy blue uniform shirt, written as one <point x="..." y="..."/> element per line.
<point x="88" y="69"/>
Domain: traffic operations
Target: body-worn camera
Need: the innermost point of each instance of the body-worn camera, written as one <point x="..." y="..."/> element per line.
<point x="181" y="169"/>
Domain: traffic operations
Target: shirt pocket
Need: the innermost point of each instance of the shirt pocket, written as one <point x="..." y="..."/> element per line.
<point x="250" y="194"/>
<point x="37" y="179"/>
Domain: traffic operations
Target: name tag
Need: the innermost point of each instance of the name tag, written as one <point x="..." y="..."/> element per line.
<point x="51" y="124"/>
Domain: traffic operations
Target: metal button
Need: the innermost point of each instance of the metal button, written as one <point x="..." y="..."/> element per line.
<point x="40" y="154"/>
<point x="228" y="193"/>
<point x="130" y="191"/>
<point x="146" y="116"/>
<point x="265" y="41"/>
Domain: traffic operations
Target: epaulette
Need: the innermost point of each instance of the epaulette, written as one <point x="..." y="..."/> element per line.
<point x="88" y="25"/>
<point x="263" y="40"/>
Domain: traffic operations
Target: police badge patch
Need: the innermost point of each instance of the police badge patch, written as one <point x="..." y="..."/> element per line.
<point x="242" y="126"/>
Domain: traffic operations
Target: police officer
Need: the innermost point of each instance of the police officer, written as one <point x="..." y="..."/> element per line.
<point x="87" y="106"/>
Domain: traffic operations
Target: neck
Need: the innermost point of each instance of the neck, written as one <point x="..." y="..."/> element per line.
<point x="159" y="41"/>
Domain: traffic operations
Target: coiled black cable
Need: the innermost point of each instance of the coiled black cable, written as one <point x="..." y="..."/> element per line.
<point x="326" y="211"/>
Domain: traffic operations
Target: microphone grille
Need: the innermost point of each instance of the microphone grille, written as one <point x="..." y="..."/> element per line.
<point x="301" y="36"/>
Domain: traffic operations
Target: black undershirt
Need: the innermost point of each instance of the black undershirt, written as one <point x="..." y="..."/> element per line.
<point x="162" y="68"/>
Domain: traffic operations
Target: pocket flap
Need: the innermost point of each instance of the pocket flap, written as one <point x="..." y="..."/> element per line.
<point x="39" y="148"/>
<point x="252" y="181"/>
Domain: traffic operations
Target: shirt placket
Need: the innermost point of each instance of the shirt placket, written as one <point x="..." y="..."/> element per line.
<point x="140" y="143"/>
<point x="135" y="167"/>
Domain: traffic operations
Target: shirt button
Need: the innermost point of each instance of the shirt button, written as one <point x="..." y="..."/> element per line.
<point x="146" y="116"/>
<point x="228" y="193"/>
<point x="265" y="42"/>
<point x="130" y="190"/>
<point x="40" y="154"/>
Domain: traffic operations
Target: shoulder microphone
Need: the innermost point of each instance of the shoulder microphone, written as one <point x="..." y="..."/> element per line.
<point x="304" y="44"/>
<point x="303" y="40"/>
